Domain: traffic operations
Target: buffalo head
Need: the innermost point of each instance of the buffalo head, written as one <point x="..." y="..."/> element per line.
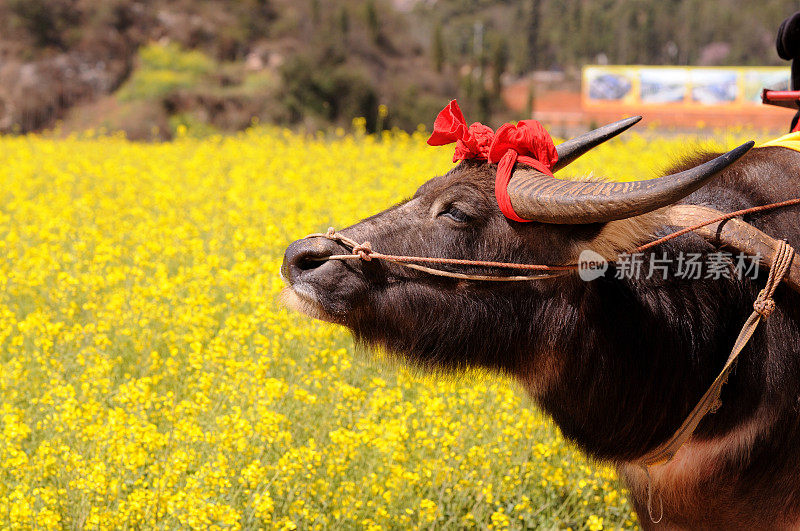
<point x="450" y="323"/>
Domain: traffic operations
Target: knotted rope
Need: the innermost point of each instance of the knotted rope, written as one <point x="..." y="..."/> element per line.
<point x="763" y="306"/>
<point x="363" y="251"/>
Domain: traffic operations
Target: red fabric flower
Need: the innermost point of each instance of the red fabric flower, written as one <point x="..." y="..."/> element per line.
<point x="472" y="142"/>
<point x="527" y="142"/>
<point x="449" y="126"/>
<point x="528" y="138"/>
<point x="480" y="138"/>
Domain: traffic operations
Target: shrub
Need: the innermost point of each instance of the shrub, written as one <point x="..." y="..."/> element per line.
<point x="164" y="69"/>
<point x="333" y="92"/>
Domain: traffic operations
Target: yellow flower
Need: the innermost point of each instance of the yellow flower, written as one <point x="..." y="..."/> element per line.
<point x="594" y="523"/>
<point x="151" y="378"/>
<point x="499" y="519"/>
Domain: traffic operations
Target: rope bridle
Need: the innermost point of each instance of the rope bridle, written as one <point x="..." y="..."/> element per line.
<point x="365" y="252"/>
<point x="763" y="306"/>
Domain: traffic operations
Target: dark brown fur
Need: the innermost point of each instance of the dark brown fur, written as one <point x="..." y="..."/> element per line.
<point x="618" y="363"/>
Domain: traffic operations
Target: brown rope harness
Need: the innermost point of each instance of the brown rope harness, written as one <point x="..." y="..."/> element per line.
<point x="710" y="402"/>
<point x="364" y="251"/>
<point x="763" y="306"/>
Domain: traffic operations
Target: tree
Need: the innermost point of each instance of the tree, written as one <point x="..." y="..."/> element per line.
<point x="48" y="22"/>
<point x="316" y="15"/>
<point x="373" y="22"/>
<point x="437" y="48"/>
<point x="533" y="33"/>
<point x="499" y="63"/>
<point x="344" y="22"/>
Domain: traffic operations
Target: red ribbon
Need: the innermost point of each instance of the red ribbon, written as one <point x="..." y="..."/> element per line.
<point x="527" y="142"/>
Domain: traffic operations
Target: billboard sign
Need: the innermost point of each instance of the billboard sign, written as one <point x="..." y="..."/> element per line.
<point x="680" y="86"/>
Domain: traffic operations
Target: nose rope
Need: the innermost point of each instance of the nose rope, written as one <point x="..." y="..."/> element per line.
<point x="363" y="251"/>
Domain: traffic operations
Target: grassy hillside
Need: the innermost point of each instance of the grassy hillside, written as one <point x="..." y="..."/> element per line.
<point x="314" y="64"/>
<point x="143" y="66"/>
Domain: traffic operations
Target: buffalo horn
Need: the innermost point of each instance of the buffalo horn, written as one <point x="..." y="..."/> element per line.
<point x="539" y="197"/>
<point x="572" y="149"/>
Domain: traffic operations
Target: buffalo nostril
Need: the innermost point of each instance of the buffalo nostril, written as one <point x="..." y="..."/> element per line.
<point x="305" y="255"/>
<point x="307" y="262"/>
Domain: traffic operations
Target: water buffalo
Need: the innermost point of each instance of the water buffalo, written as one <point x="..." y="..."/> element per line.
<point x="617" y="362"/>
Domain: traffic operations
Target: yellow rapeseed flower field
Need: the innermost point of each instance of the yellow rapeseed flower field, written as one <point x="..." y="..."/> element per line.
<point x="149" y="377"/>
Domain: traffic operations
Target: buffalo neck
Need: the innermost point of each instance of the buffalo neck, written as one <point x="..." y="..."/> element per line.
<point x="641" y="352"/>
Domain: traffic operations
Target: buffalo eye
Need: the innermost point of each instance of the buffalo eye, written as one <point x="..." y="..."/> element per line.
<point x="455" y="214"/>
